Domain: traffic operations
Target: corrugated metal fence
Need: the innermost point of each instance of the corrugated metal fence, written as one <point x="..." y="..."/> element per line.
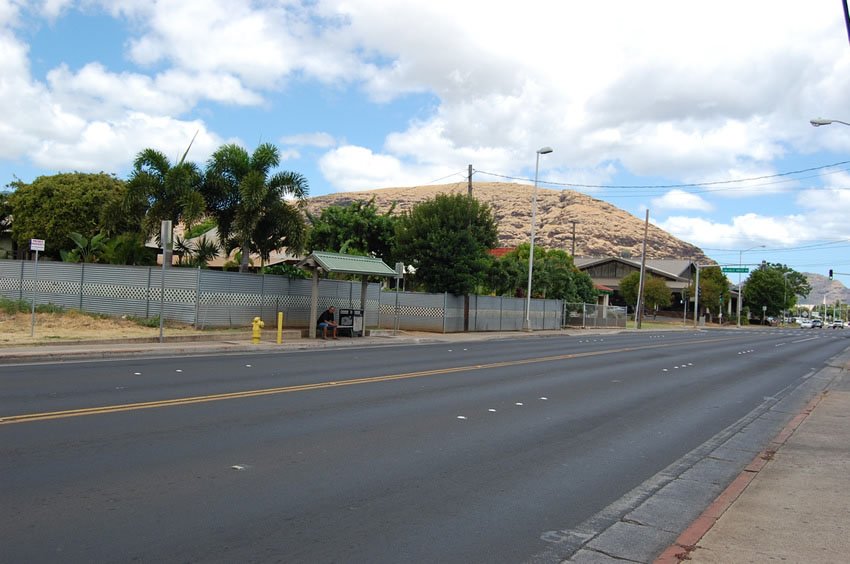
<point x="209" y="298"/>
<point x="593" y="316"/>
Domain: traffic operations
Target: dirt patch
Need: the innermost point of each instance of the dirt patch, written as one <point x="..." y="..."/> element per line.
<point x="75" y="326"/>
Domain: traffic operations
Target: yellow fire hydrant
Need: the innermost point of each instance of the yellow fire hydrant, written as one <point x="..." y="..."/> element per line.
<point x="258" y="325"/>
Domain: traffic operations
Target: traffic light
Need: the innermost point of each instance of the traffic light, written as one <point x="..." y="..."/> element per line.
<point x="830" y="274"/>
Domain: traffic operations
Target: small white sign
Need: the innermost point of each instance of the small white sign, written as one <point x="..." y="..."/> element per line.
<point x="36" y="244"/>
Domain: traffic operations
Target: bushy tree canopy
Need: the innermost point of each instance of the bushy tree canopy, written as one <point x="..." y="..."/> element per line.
<point x="357" y="229"/>
<point x="656" y="294"/>
<point x="555" y="276"/>
<point x="53" y="207"/>
<point x="767" y="287"/>
<point x="446" y="239"/>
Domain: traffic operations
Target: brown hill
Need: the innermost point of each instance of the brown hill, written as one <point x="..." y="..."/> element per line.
<point x="601" y="229"/>
<point x="824" y="289"/>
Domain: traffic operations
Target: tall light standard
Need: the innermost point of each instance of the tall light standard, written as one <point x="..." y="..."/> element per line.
<point x="541" y="151"/>
<point x="817" y="122"/>
<point x="784" y="295"/>
<point x="740" y="289"/>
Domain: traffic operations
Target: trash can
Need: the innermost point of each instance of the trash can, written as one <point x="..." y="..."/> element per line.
<point x="352" y="321"/>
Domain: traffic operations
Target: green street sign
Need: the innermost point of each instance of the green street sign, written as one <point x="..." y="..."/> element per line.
<point x="741" y="269"/>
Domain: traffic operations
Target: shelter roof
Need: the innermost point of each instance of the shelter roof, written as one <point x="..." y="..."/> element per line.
<point x="347" y="264"/>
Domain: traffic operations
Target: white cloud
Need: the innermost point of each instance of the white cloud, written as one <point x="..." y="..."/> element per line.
<point x="54" y="8"/>
<point x="352" y="168"/>
<point x="663" y="88"/>
<point x="680" y="200"/>
<point x="110" y="146"/>
<point x="316" y="139"/>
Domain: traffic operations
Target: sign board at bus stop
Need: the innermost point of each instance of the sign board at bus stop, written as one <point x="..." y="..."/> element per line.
<point x="36" y="244"/>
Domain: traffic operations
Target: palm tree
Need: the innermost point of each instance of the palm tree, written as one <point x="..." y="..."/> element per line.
<point x="158" y="190"/>
<point x="249" y="204"/>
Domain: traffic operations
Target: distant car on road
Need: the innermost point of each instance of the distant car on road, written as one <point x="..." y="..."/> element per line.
<point x="805" y="324"/>
<point x="837" y="325"/>
<point x="817" y="323"/>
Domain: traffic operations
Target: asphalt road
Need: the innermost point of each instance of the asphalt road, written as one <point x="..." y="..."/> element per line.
<point x="488" y="451"/>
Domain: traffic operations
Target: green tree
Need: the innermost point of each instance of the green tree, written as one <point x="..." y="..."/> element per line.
<point x="5" y="212"/>
<point x="357" y="229"/>
<point x="713" y="289"/>
<point x="629" y="286"/>
<point x="86" y="250"/>
<point x="555" y="276"/>
<point x="248" y="201"/>
<point x="53" y="207"/>
<point x="205" y="251"/>
<point x="767" y="287"/>
<point x="158" y="191"/>
<point x="129" y="248"/>
<point x="447" y="239"/>
<point x="656" y="293"/>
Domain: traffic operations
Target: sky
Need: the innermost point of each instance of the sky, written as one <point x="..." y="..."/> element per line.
<point x="697" y="112"/>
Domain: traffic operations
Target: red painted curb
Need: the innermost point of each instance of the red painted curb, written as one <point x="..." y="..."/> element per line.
<point x="687" y="541"/>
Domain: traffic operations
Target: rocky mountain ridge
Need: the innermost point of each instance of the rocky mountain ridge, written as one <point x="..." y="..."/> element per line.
<point x="601" y="229"/>
<point x="823" y="286"/>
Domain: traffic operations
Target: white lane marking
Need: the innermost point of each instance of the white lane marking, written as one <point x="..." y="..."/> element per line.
<point x="137" y="373"/>
<point x="450" y="350"/>
<point x="518" y="403"/>
<point x="461" y="417"/>
<point x="804" y="340"/>
<point x="664" y="370"/>
<point x="239" y="467"/>
<point x="544" y="398"/>
<point x="247" y="366"/>
<point x="178" y="370"/>
<point x="491" y="410"/>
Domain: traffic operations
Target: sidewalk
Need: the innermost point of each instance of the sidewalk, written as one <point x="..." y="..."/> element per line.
<point x="790" y="504"/>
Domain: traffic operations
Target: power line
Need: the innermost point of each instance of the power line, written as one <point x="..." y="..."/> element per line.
<point x="669" y="186"/>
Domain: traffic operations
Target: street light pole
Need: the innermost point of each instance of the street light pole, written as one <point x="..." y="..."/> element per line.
<point x="784" y="295"/>
<point x="541" y="151"/>
<point x="817" y="122"/>
<point x="740" y="288"/>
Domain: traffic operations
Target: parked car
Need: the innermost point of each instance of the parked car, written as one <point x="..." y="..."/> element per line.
<point x="837" y="325"/>
<point x="805" y="324"/>
<point x="817" y="323"/>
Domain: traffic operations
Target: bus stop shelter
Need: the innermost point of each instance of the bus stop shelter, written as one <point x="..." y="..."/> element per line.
<point x="342" y="264"/>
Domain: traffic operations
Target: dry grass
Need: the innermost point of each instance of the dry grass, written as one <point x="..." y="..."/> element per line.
<point x="75" y="326"/>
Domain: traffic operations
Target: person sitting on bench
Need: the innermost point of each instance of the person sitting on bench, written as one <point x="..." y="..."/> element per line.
<point x="327" y="320"/>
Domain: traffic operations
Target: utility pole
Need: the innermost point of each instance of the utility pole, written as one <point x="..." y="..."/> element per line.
<point x="639" y="311"/>
<point x="466" y="296"/>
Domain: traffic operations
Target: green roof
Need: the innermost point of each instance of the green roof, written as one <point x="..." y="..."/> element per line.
<point x="348" y="264"/>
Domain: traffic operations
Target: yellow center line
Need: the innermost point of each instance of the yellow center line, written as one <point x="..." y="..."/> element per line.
<point x="43" y="416"/>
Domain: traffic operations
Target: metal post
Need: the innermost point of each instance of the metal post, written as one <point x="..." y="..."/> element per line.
<point x="197" y="296"/>
<point x="696" y="299"/>
<point x="82" y="282"/>
<point x="740" y="289"/>
<point x="445" y="306"/>
<point x="541" y="151"/>
<point x="165" y="239"/>
<point x="639" y="310"/>
<point x="34" y="283"/>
